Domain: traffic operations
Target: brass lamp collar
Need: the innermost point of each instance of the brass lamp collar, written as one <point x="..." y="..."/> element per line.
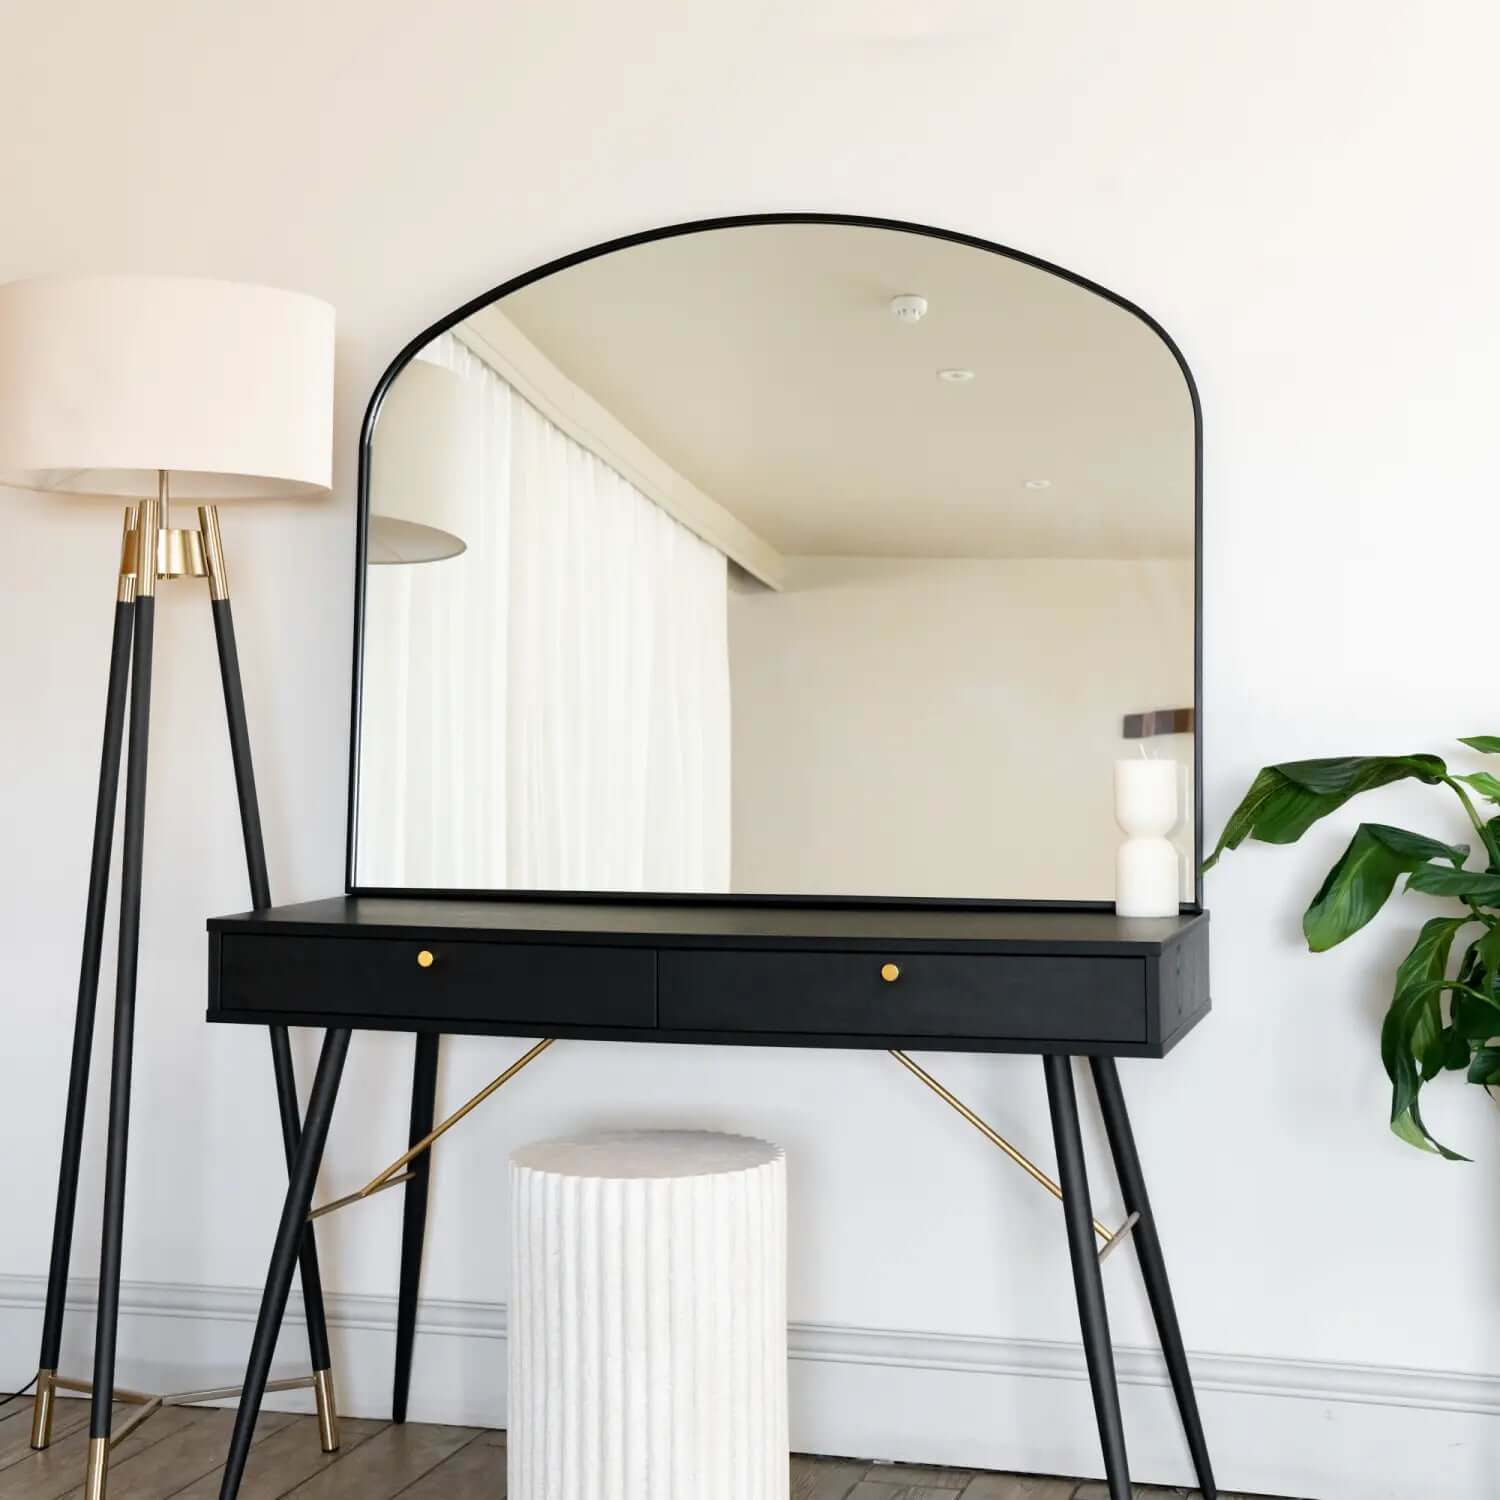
<point x="174" y="552"/>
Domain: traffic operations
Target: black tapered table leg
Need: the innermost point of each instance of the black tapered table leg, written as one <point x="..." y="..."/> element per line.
<point x="281" y="1048"/>
<point x="117" y="1149"/>
<point x="1087" y="1281"/>
<point x="414" y="1214"/>
<point x="299" y="1194"/>
<point x="1153" y="1265"/>
<point x="83" y="1023"/>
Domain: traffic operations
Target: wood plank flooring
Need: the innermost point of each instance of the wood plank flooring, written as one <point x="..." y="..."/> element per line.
<point x="177" y="1456"/>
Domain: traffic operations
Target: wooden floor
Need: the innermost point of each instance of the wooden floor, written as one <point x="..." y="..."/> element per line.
<point x="179" y="1451"/>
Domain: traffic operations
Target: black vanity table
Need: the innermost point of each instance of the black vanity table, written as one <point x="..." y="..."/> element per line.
<point x="1064" y="984"/>
<point x="753" y="619"/>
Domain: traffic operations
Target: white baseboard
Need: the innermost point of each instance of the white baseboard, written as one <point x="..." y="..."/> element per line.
<point x="1276" y="1426"/>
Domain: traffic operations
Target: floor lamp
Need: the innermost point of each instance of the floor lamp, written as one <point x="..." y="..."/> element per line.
<point x="160" y="388"/>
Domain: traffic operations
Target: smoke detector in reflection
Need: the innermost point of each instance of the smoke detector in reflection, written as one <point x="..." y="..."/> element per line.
<point x="956" y="377"/>
<point x="908" y="308"/>
<point x="1038" y="484"/>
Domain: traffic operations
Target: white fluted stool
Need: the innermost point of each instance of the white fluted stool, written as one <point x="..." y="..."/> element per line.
<point x="648" y="1318"/>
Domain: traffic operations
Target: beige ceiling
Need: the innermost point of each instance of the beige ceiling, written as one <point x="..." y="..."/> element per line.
<point x="764" y="365"/>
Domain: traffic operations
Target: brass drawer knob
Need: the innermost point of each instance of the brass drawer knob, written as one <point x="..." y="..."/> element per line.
<point x="425" y="960"/>
<point x="890" y="972"/>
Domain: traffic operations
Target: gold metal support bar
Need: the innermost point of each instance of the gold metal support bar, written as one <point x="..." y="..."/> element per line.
<point x="386" y="1178"/>
<point x="41" y="1408"/>
<point x="224" y="1392"/>
<point x="992" y="1135"/>
<point x="360" y="1196"/>
<point x="1119" y="1236"/>
<point x="86" y="1388"/>
<point x="134" y="1420"/>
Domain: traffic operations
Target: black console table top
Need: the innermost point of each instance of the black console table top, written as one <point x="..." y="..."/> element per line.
<point x="800" y="975"/>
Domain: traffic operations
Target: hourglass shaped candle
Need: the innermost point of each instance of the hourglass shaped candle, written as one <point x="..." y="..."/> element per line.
<point x="1148" y="874"/>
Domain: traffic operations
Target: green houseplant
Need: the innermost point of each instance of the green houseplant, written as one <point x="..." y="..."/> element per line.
<point x="1444" y="1015"/>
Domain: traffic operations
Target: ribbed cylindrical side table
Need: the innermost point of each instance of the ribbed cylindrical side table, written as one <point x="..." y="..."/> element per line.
<point x="648" y="1318"/>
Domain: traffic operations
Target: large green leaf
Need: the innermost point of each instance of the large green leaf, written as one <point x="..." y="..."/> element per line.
<point x="1414" y="1044"/>
<point x="1485" y="1067"/>
<point x="1485" y="744"/>
<point x="1409" y="1016"/>
<point x="1475" y="1005"/>
<point x="1479" y="886"/>
<point x="1419" y="977"/>
<point x="1364" y="877"/>
<point x="1285" y="800"/>
<point x="1410" y="1127"/>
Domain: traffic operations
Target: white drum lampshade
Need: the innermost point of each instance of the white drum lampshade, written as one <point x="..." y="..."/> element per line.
<point x="424" y="464"/>
<point x="105" y="381"/>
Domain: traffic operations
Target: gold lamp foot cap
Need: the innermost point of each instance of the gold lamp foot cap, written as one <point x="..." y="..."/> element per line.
<point x="41" y="1408"/>
<point x="96" y="1479"/>
<point x="328" y="1411"/>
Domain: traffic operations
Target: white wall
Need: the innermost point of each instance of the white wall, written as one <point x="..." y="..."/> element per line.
<point x="1300" y="193"/>
<point x="864" y="675"/>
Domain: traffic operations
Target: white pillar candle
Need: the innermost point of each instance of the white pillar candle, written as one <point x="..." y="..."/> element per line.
<point x="1148" y="870"/>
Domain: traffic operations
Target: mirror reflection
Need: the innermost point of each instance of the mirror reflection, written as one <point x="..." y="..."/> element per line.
<point x="783" y="559"/>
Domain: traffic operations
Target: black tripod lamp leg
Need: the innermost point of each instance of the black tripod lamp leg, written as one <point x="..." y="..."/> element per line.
<point x="1153" y="1265"/>
<point x="1087" y="1282"/>
<point x="260" y="898"/>
<point x="116" y="1151"/>
<point x="299" y="1195"/>
<point x="414" y="1215"/>
<point x="88" y="993"/>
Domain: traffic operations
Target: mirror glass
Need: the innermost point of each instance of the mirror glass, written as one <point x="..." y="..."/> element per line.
<point x="808" y="558"/>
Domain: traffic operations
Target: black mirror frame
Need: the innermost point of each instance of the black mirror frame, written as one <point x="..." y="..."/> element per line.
<point x="699" y="226"/>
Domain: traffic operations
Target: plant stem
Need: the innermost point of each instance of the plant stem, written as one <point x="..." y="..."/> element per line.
<point x="1491" y="845"/>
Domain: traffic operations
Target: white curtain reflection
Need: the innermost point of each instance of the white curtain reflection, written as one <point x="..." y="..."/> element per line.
<point x="549" y="710"/>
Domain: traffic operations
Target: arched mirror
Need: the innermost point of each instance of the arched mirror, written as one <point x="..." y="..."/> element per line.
<point x="794" y="556"/>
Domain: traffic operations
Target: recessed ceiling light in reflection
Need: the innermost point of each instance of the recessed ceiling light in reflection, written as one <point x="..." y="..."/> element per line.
<point x="956" y="377"/>
<point x="1038" y="484"/>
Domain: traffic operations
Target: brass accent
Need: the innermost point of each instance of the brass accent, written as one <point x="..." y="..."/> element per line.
<point x="213" y="552"/>
<point x="224" y="1392"/>
<point x="425" y="959"/>
<point x="992" y="1136"/>
<point x="125" y="587"/>
<point x="148" y="524"/>
<point x="363" y="1193"/>
<point x="41" y="1408"/>
<point x="86" y="1388"/>
<point x="1120" y="1235"/>
<point x="179" y="553"/>
<point x="96" y="1477"/>
<point x="134" y="1420"/>
<point x="890" y="972"/>
<point x="328" y="1411"/>
<point x="388" y="1177"/>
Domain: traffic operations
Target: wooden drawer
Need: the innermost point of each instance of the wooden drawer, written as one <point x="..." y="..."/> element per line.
<point x="1099" y="999"/>
<point x="467" y="981"/>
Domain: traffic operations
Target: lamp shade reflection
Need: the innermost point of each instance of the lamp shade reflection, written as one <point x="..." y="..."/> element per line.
<point x="423" y="466"/>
